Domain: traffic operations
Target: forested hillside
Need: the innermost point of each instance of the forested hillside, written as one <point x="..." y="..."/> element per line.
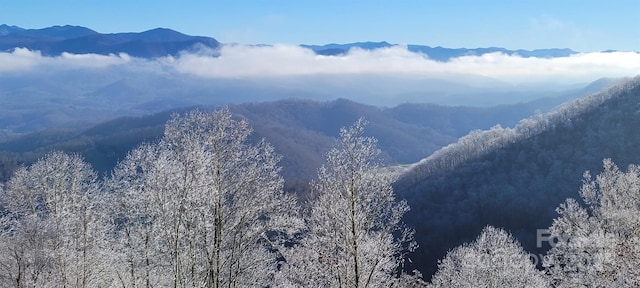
<point x="300" y="130"/>
<point x="515" y="178"/>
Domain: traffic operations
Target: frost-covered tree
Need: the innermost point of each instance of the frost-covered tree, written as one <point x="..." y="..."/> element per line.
<point x="494" y="259"/>
<point x="202" y="207"/>
<point x="53" y="231"/>
<point x="139" y="261"/>
<point x="599" y="246"/>
<point x="355" y="236"/>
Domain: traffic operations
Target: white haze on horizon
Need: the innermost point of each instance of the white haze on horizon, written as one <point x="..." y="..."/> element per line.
<point x="244" y="61"/>
<point x="285" y="60"/>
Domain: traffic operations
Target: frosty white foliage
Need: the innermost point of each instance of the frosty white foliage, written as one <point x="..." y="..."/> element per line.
<point x="355" y="236"/>
<point x="53" y="233"/>
<point x="599" y="246"/>
<point x="200" y="208"/>
<point x="495" y="259"/>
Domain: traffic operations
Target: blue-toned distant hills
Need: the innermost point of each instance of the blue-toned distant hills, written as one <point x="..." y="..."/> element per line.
<point x="159" y="42"/>
<point x="53" y="41"/>
<point x="440" y="53"/>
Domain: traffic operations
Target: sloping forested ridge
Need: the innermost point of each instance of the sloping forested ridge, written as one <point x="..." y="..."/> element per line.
<point x="515" y="177"/>
<point x="300" y="130"/>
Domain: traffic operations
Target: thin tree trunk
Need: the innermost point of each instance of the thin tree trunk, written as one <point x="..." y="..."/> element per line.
<point x="354" y="233"/>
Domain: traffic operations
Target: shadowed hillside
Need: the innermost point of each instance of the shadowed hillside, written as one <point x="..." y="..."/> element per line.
<point x="515" y="177"/>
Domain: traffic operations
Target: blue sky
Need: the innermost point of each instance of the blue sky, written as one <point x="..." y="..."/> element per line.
<point x="585" y="26"/>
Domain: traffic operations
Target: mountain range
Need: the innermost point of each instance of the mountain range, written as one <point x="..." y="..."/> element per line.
<point x="55" y="40"/>
<point x="159" y="42"/>
<point x="300" y="130"/>
<point x="439" y="53"/>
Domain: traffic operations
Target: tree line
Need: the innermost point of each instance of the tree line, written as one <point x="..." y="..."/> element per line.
<point x="203" y="207"/>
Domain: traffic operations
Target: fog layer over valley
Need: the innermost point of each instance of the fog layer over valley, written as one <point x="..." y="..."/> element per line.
<point x="49" y="98"/>
<point x="40" y="90"/>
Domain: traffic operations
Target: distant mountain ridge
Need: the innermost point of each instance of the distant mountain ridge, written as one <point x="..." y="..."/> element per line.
<point x="55" y="40"/>
<point x="439" y="53"/>
<point x="159" y="42"/>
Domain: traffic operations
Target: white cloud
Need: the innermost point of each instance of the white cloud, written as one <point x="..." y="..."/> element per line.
<point x="578" y="67"/>
<point x="91" y="60"/>
<point x="282" y="60"/>
<point x="241" y="61"/>
<point x="21" y="59"/>
<point x="18" y="60"/>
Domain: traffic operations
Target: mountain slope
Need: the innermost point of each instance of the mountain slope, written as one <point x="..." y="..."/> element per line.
<point x="53" y="41"/>
<point x="515" y="178"/>
<point x="301" y="130"/>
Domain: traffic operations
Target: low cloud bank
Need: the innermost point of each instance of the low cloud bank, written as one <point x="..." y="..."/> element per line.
<point x="21" y="59"/>
<point x="242" y="61"/>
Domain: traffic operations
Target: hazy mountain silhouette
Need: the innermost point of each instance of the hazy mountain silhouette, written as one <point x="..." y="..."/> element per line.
<point x="301" y="130"/>
<point x="53" y="41"/>
<point x="440" y="53"/>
